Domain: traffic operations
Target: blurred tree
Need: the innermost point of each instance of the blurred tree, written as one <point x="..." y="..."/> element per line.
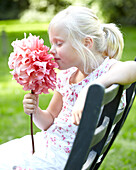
<point x="118" y="11"/>
<point x="10" y="9"/>
<point x="43" y="10"/>
<point x="44" y="5"/>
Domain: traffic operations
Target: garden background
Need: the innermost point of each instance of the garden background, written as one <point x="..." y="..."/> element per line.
<point x="32" y="16"/>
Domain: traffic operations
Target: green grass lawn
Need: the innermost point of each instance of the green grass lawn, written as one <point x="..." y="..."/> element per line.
<point x="15" y="123"/>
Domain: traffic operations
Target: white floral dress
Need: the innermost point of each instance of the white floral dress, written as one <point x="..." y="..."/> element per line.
<point x="54" y="145"/>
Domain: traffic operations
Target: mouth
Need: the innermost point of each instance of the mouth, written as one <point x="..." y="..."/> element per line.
<point x="56" y="59"/>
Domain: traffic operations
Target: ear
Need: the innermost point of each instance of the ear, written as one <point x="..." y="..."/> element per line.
<point x="88" y="42"/>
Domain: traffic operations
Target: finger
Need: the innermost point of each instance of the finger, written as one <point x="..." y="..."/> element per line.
<point x="31" y="96"/>
<point x="78" y="117"/>
<point x="80" y="114"/>
<point x="29" y="106"/>
<point x="29" y="101"/>
<point x="75" y="119"/>
<point x="29" y="111"/>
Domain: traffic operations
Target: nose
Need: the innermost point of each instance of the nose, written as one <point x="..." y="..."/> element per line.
<point x="53" y="50"/>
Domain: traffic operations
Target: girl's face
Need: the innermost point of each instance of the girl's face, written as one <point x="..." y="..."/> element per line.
<point x="64" y="54"/>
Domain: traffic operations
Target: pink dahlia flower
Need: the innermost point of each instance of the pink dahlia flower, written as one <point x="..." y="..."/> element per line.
<point x="33" y="67"/>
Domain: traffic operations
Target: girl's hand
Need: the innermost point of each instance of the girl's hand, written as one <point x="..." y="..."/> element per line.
<point x="30" y="103"/>
<point x="79" y="105"/>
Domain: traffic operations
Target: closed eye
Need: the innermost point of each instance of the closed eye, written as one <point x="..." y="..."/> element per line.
<point x="59" y="43"/>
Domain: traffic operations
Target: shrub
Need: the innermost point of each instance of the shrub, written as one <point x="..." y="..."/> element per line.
<point x="118" y="11"/>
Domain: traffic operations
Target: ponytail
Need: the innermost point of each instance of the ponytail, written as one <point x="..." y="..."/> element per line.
<point x="114" y="41"/>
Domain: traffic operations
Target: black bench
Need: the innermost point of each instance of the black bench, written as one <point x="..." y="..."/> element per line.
<point x="100" y="124"/>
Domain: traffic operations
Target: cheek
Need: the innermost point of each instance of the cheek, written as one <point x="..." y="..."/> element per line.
<point x="63" y="54"/>
<point x="60" y="53"/>
<point x="66" y="54"/>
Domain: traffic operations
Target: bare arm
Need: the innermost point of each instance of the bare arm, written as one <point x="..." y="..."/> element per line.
<point x="43" y="118"/>
<point x="120" y="73"/>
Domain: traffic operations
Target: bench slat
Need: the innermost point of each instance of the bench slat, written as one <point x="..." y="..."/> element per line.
<point x="100" y="123"/>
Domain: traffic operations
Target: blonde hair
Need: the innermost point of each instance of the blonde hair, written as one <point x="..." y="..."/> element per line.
<point x="81" y="22"/>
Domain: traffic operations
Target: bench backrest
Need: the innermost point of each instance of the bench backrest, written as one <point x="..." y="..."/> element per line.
<point x="100" y="123"/>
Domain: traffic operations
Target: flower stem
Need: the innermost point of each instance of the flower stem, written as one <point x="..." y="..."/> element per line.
<point x="32" y="137"/>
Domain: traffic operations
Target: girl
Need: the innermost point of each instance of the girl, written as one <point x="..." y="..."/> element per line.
<point x="86" y="52"/>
